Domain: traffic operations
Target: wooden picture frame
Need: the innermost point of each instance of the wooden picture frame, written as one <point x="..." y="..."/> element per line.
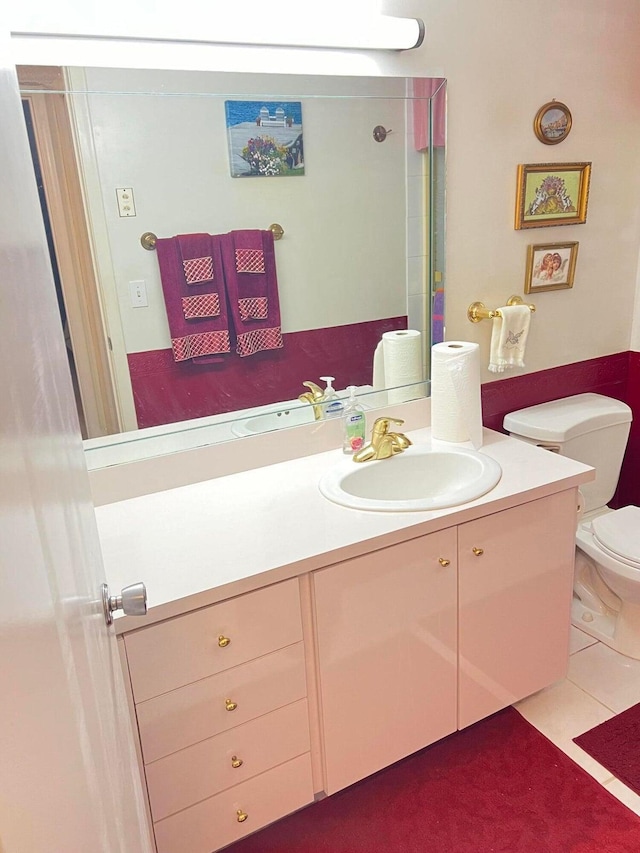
<point x="550" y="266"/>
<point x="552" y="123"/>
<point x="552" y="194"/>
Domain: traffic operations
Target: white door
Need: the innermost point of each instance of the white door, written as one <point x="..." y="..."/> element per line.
<point x="68" y="775"/>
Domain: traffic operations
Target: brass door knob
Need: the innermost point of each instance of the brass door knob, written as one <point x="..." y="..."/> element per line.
<point x="236" y="762"/>
<point x="223" y="641"/>
<point x="444" y="562"/>
<point x="241" y="816"/>
<point x="478" y="551"/>
<point x="229" y="705"/>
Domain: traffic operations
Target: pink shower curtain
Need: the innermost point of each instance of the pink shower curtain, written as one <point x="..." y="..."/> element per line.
<point x="424" y="88"/>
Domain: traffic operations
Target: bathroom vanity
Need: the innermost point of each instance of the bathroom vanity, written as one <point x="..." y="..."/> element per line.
<point x="294" y="646"/>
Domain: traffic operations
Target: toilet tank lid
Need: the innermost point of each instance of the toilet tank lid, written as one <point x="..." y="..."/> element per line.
<point x="561" y="420"/>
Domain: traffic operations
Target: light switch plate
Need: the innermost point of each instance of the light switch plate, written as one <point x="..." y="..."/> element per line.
<point x="138" y="292"/>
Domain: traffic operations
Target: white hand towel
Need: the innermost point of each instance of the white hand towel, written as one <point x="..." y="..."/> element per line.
<point x="509" y="338"/>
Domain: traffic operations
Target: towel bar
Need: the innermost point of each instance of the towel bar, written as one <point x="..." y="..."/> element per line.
<point x="478" y="311"/>
<point x="149" y="239"/>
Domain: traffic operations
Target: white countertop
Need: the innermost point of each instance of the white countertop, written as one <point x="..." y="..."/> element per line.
<point x="198" y="544"/>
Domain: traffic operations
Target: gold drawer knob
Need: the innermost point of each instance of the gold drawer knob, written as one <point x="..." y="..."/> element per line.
<point x="223" y="641"/>
<point x="236" y="762"/>
<point x="444" y="562"/>
<point x="229" y="705"/>
<point x="241" y="816"/>
<point x="478" y="551"/>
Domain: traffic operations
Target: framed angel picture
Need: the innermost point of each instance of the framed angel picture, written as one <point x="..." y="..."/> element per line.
<point x="550" y="266"/>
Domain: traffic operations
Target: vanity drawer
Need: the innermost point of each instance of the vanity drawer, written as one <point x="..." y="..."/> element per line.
<point x="185" y="649"/>
<point x="214" y="823"/>
<point x="198" y="711"/>
<point x="205" y="769"/>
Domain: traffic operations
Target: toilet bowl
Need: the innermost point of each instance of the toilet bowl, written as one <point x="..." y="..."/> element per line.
<point x="594" y="429"/>
<point x="607" y="579"/>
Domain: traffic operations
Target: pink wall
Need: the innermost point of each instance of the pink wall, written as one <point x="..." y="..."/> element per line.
<point x="613" y="375"/>
<point x="165" y="391"/>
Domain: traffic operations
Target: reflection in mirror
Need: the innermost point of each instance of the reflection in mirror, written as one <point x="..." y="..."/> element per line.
<point x="122" y="153"/>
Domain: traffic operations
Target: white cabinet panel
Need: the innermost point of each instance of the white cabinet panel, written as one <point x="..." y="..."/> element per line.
<point x="386" y="627"/>
<point x="515" y="600"/>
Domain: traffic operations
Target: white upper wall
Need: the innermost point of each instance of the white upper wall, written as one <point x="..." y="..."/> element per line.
<point x="503" y="59"/>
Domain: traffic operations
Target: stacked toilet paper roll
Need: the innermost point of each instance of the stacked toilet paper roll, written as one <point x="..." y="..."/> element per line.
<point x="397" y="361"/>
<point x="456" y="407"/>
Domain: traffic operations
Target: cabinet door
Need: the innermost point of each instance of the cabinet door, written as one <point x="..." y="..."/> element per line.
<point x="386" y="626"/>
<point x="515" y="588"/>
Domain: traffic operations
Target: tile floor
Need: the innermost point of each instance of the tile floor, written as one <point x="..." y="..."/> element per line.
<point x="600" y="684"/>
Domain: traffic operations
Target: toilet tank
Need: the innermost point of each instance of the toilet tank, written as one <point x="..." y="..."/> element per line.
<point x="589" y="428"/>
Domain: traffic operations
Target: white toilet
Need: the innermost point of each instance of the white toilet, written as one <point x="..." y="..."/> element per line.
<point x="594" y="430"/>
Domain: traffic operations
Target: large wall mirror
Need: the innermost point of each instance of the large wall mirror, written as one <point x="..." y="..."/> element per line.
<point x="351" y="169"/>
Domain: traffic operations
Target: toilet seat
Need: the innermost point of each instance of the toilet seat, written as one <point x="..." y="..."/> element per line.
<point x="617" y="533"/>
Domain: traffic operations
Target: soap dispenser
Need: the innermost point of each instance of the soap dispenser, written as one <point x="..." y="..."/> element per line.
<point x="354" y="423"/>
<point x="331" y="404"/>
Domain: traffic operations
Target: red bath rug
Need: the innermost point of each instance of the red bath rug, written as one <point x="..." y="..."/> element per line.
<point x="498" y="786"/>
<point x="616" y="745"/>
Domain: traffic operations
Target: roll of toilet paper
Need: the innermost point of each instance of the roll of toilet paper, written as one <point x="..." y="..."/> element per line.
<point x="397" y="361"/>
<point x="456" y="407"/>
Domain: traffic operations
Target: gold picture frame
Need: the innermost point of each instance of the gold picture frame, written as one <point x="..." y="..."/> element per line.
<point x="552" y="123"/>
<point x="552" y="194"/>
<point x="550" y="266"/>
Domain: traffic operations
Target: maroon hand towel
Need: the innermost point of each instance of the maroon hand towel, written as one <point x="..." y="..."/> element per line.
<point x="249" y="263"/>
<point x="194" y="293"/>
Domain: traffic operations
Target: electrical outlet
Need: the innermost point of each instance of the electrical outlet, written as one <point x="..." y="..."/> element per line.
<point x="138" y="293"/>
<point x="126" y="206"/>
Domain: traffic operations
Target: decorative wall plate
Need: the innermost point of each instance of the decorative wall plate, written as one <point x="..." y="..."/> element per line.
<point x="552" y="123"/>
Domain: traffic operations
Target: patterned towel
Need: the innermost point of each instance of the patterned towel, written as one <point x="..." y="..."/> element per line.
<point x="249" y="263"/>
<point x="194" y="294"/>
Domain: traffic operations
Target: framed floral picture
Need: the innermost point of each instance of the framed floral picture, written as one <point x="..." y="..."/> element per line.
<point x="552" y="194"/>
<point x="265" y="138"/>
<point x="550" y="266"/>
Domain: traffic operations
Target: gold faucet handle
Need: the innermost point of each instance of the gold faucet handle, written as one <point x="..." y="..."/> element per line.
<point x="381" y="425"/>
<point x="316" y="390"/>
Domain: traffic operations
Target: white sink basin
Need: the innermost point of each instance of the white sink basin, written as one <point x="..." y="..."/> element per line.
<point x="297" y="415"/>
<point x="269" y="421"/>
<point x="421" y="478"/>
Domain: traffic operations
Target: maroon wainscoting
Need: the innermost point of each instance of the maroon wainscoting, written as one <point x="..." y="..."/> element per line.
<point x="165" y="391"/>
<point x="629" y="485"/>
<point x="613" y="375"/>
<point x="606" y="375"/>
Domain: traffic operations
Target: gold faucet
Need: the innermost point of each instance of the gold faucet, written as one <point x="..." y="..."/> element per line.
<point x="383" y="443"/>
<point x="314" y="396"/>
